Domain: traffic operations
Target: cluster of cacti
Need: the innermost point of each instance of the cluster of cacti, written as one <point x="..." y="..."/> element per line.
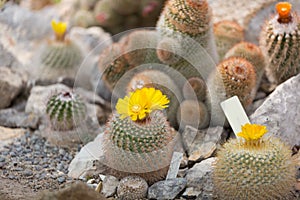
<point x="186" y="24"/>
<point x="254" y="168"/>
<point x="132" y="188"/>
<point x="140" y="140"/>
<point x="118" y="15"/>
<point x="234" y="76"/>
<point x="66" y="111"/>
<point x="280" y="42"/>
<point x="227" y="34"/>
<point x="60" y="56"/>
<point x="253" y="54"/>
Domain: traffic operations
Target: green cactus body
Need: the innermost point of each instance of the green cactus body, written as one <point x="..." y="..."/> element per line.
<point x="193" y="113"/>
<point x="280" y="41"/>
<point x="194" y="89"/>
<point x="260" y="170"/>
<point x="132" y="188"/>
<point x="65" y="111"/>
<point x="105" y="15"/>
<point x="141" y="148"/>
<point x="253" y="54"/>
<point x="162" y="82"/>
<point x="186" y="20"/>
<point x="227" y="34"/>
<point x="60" y="58"/>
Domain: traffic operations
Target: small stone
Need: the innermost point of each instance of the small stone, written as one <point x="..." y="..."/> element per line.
<point x="191" y="193"/>
<point x="99" y="187"/>
<point x="61" y="179"/>
<point x="91" y="181"/>
<point x="2" y="159"/>
<point x="8" y="134"/>
<point x="167" y="189"/>
<point x="12" y="154"/>
<point x="27" y="172"/>
<point x="110" y="184"/>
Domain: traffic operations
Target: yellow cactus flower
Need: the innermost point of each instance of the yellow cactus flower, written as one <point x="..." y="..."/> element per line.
<point x="140" y="103"/>
<point x="59" y="29"/>
<point x="252" y="131"/>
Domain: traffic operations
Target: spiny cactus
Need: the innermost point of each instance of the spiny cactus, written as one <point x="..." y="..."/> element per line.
<point x="168" y="51"/>
<point x="83" y="18"/>
<point x="105" y="15"/>
<point x="139" y="140"/>
<point x="66" y="111"/>
<point x="193" y="113"/>
<point x="125" y="7"/>
<point x="227" y="34"/>
<point x="254" y="167"/>
<point x="280" y="41"/>
<point x="194" y="88"/>
<point x="162" y="82"/>
<point x="253" y="54"/>
<point x="234" y="76"/>
<point x="60" y="56"/>
<point x="184" y="20"/>
<point x="132" y="188"/>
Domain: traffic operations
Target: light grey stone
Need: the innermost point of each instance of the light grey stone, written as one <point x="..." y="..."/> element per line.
<point x="11" y="83"/>
<point x="167" y="189"/>
<point x="109" y="186"/>
<point x="14" y="119"/>
<point x="280" y="112"/>
<point x="191" y="193"/>
<point x="174" y="166"/>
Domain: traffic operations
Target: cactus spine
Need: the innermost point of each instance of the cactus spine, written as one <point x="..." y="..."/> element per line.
<point x="253" y="54"/>
<point x="132" y="188"/>
<point x="280" y="41"/>
<point x="260" y="168"/>
<point x="227" y="34"/>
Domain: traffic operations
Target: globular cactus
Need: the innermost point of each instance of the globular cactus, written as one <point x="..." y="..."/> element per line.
<point x="193" y="113"/>
<point x="280" y="41"/>
<point x="149" y="11"/>
<point x="132" y="188"/>
<point x="60" y="56"/>
<point x="36" y="4"/>
<point x="227" y="34"/>
<point x="194" y="89"/>
<point x="188" y="22"/>
<point x="254" y="167"/>
<point x="65" y="111"/>
<point x="139" y="140"/>
<point x="234" y="76"/>
<point x="168" y="51"/>
<point x="253" y="54"/>
<point x="83" y="18"/>
<point x="125" y="7"/>
<point x="163" y="82"/>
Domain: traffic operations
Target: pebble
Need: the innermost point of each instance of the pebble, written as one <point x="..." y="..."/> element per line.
<point x="61" y="179"/>
<point x="2" y="159"/>
<point x="27" y="172"/>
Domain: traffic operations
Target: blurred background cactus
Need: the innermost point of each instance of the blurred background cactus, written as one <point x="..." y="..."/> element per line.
<point x="38" y="4"/>
<point x="254" y="167"/>
<point x="280" y="42"/>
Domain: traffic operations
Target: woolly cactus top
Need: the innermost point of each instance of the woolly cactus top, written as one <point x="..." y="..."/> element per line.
<point x="140" y="103"/>
<point x="59" y="29"/>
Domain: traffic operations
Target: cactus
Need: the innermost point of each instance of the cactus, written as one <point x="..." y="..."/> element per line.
<point x="125" y="7"/>
<point x="36" y="4"/>
<point x="234" y="76"/>
<point x="184" y="20"/>
<point x="66" y="111"/>
<point x="140" y="140"/>
<point x="83" y="18"/>
<point x="254" y="167"/>
<point x="132" y="188"/>
<point x="194" y="88"/>
<point x="149" y="11"/>
<point x="162" y="82"/>
<point x="60" y="56"/>
<point x="253" y="54"/>
<point x="168" y="51"/>
<point x="227" y="34"/>
<point x="193" y="113"/>
<point x="280" y="41"/>
<point x="105" y="15"/>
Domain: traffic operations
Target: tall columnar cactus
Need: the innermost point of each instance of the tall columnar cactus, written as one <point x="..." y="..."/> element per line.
<point x="138" y="140"/>
<point x="253" y="54"/>
<point x="66" y="111"/>
<point x="60" y="56"/>
<point x="227" y="34"/>
<point x="234" y="76"/>
<point x="254" y="167"/>
<point x="188" y="22"/>
<point x="280" y="41"/>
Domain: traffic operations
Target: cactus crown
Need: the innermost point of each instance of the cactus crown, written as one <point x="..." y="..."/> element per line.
<point x="59" y="29"/>
<point x="65" y="110"/>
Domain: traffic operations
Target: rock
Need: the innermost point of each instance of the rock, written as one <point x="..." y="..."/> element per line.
<point x="39" y="96"/>
<point x="167" y="189"/>
<point x="78" y="191"/>
<point x="11" y="83"/>
<point x="27" y="172"/>
<point x="7" y="59"/>
<point x="283" y="101"/>
<point x="191" y="193"/>
<point x="199" y="177"/>
<point x="201" y="144"/>
<point x="8" y="134"/>
<point x="14" y="119"/>
<point x="109" y="186"/>
<point x="84" y="160"/>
